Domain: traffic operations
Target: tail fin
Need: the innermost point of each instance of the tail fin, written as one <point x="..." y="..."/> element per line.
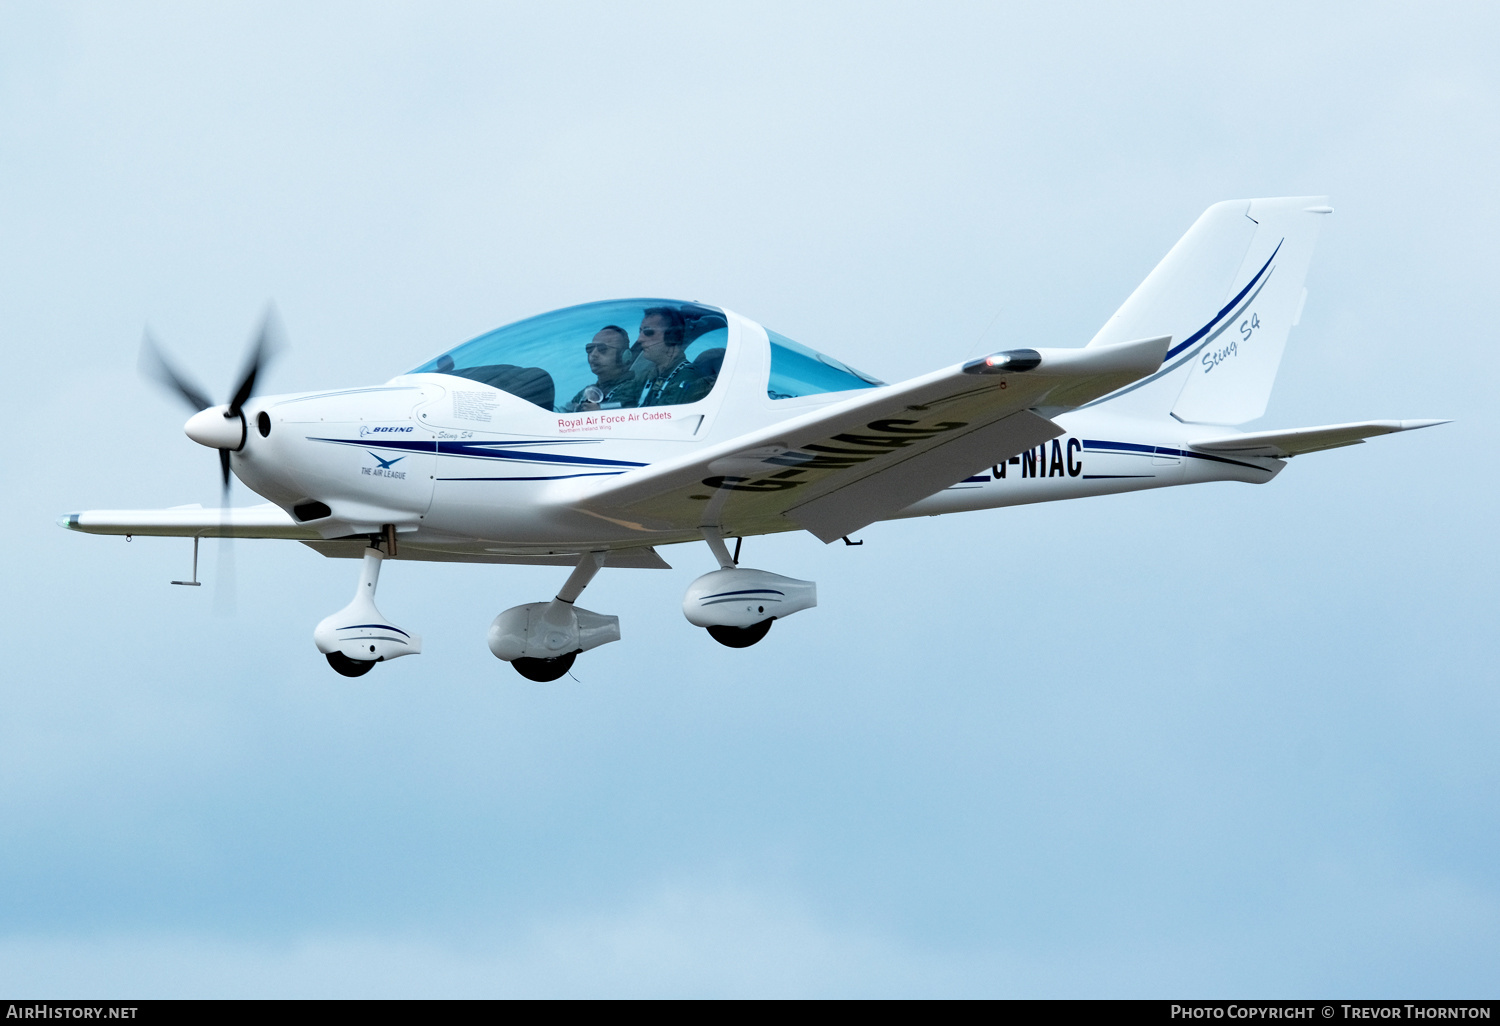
<point x="1227" y="293"/>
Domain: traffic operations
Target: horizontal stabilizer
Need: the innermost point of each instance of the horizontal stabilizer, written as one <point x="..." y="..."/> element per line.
<point x="1284" y="444"/>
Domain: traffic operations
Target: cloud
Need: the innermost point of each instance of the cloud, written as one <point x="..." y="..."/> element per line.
<point x="701" y="938"/>
<point x="675" y="942"/>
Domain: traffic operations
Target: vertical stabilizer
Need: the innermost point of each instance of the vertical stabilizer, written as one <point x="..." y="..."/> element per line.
<point x="1228" y="293"/>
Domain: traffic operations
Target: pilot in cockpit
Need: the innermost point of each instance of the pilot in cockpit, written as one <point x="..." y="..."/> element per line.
<point x="609" y="359"/>
<point x="663" y="342"/>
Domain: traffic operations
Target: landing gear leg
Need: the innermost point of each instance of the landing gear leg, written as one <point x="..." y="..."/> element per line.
<point x="541" y="639"/>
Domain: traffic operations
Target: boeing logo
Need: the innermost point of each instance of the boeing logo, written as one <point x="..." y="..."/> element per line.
<point x="365" y="430"/>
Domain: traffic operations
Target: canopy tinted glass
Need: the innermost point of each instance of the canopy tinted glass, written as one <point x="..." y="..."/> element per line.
<point x="797" y="370"/>
<point x="620" y="353"/>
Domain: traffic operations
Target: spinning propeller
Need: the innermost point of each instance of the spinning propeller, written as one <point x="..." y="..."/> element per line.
<point x="220" y="427"/>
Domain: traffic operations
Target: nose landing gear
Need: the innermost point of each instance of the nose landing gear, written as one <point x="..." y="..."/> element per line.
<point x="350" y="667"/>
<point x="357" y="637"/>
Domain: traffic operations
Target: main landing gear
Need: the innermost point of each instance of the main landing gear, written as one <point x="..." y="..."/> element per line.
<point x="737" y="605"/>
<point x="541" y="639"/>
<point x="357" y="637"/>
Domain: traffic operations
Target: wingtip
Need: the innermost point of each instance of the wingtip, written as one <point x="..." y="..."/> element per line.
<point x="68" y="521"/>
<point x="1413" y="425"/>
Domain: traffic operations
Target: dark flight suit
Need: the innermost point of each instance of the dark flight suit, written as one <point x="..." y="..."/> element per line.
<point x="684" y="383"/>
<point x="618" y="395"/>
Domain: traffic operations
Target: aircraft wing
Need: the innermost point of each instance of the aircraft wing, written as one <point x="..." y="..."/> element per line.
<point x="1285" y="444"/>
<point x="271" y="521"/>
<point x="841" y="467"/>
<point x="264" y="521"/>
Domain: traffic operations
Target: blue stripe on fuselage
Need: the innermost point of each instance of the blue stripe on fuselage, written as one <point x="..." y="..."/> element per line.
<point x="477" y="450"/>
<point x="1097" y="445"/>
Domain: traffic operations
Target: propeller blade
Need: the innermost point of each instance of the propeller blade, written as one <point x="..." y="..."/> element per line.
<point x="224" y="580"/>
<point x="155" y="365"/>
<point x="261" y="352"/>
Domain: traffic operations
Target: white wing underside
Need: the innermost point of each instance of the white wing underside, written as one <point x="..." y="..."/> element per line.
<point x="844" y="466"/>
<point x="195" y="521"/>
<point x="271" y="521"/>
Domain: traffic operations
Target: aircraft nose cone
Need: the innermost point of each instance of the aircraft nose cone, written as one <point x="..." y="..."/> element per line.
<point x="211" y="428"/>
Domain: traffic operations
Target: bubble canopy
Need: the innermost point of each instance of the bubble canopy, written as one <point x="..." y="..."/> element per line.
<point x="627" y="353"/>
<point x="619" y="353"/>
<point x="797" y="371"/>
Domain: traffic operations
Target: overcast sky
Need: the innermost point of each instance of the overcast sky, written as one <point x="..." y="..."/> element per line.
<point x="1228" y="740"/>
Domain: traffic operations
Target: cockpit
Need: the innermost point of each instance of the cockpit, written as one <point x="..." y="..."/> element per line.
<point x="629" y="353"/>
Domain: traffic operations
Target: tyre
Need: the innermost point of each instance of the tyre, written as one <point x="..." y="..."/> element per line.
<point x="740" y="637"/>
<point x="350" y="667"/>
<point x="543" y="670"/>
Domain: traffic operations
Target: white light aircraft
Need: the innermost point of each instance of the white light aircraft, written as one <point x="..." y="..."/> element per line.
<point x="590" y="436"/>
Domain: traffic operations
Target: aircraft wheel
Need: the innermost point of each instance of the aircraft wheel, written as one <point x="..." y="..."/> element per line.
<point x="740" y="637"/>
<point x="350" y="667"/>
<point x="543" y="670"/>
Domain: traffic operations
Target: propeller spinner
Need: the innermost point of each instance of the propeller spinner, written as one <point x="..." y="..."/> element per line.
<point x="220" y="427"/>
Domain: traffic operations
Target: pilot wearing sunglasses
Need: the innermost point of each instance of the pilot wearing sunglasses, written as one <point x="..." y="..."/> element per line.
<point x="609" y="359"/>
